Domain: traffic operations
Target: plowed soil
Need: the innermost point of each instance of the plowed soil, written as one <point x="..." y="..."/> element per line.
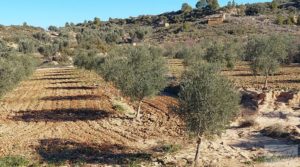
<point x="287" y="77"/>
<point x="65" y="115"/>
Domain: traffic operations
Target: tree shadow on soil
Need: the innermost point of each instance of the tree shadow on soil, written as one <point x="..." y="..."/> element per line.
<point x="54" y="78"/>
<point x="65" y="82"/>
<point x="60" y="115"/>
<point x="72" y="88"/>
<point x="281" y="146"/>
<point x="78" y="97"/>
<point x="286" y="81"/>
<point x="243" y="75"/>
<point x="58" y="74"/>
<point x="61" y="151"/>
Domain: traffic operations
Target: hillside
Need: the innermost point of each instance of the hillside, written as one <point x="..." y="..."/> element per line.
<point x="180" y="27"/>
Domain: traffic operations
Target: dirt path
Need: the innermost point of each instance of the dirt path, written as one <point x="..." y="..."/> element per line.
<point x="59" y="115"/>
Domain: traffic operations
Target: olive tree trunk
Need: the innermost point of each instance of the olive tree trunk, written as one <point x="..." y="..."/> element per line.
<point x="198" y="151"/>
<point x="266" y="81"/>
<point x="138" y="114"/>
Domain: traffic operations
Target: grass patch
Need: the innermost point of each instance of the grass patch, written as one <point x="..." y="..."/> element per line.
<point x="170" y="148"/>
<point x="14" y="161"/>
<point x="263" y="159"/>
<point x="135" y="163"/>
<point x="122" y="107"/>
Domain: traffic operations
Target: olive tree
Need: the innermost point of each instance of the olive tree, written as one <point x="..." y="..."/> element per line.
<point x="266" y="54"/>
<point x="139" y="72"/>
<point x="208" y="103"/>
<point x="223" y="53"/>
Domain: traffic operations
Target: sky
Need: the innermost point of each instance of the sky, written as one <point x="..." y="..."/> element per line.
<point x="44" y="13"/>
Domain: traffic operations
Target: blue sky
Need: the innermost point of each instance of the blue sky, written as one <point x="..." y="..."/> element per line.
<point x="56" y="12"/>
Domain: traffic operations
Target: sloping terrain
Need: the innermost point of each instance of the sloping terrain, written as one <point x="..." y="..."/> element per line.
<point x="66" y="115"/>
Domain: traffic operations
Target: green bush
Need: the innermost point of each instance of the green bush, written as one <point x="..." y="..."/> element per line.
<point x="42" y="36"/>
<point x="112" y="38"/>
<point x="190" y="55"/>
<point x="139" y="34"/>
<point x="26" y="46"/>
<point x="13" y="161"/>
<point x="13" y="69"/>
<point x="223" y="54"/>
<point x="49" y="50"/>
<point x="280" y="20"/>
<point x="88" y="60"/>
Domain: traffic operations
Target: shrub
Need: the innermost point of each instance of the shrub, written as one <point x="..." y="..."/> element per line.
<point x="274" y="5"/>
<point x="191" y="55"/>
<point x="186" y="27"/>
<point x="42" y="36"/>
<point x="280" y="20"/>
<point x="112" y="38"/>
<point x="3" y="48"/>
<point x="13" y="69"/>
<point x="208" y="102"/>
<point x="26" y="46"/>
<point x="88" y="60"/>
<point x="289" y="20"/>
<point x="223" y="54"/>
<point x="49" y="50"/>
<point x="91" y="39"/>
<point x="139" y="34"/>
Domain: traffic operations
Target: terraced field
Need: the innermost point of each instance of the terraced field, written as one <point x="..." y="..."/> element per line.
<point x="288" y="76"/>
<point x="66" y="115"/>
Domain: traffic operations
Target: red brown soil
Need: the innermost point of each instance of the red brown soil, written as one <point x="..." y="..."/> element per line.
<point x="61" y="115"/>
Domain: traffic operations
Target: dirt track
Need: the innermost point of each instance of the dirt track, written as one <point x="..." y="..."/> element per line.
<point x="59" y="115"/>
